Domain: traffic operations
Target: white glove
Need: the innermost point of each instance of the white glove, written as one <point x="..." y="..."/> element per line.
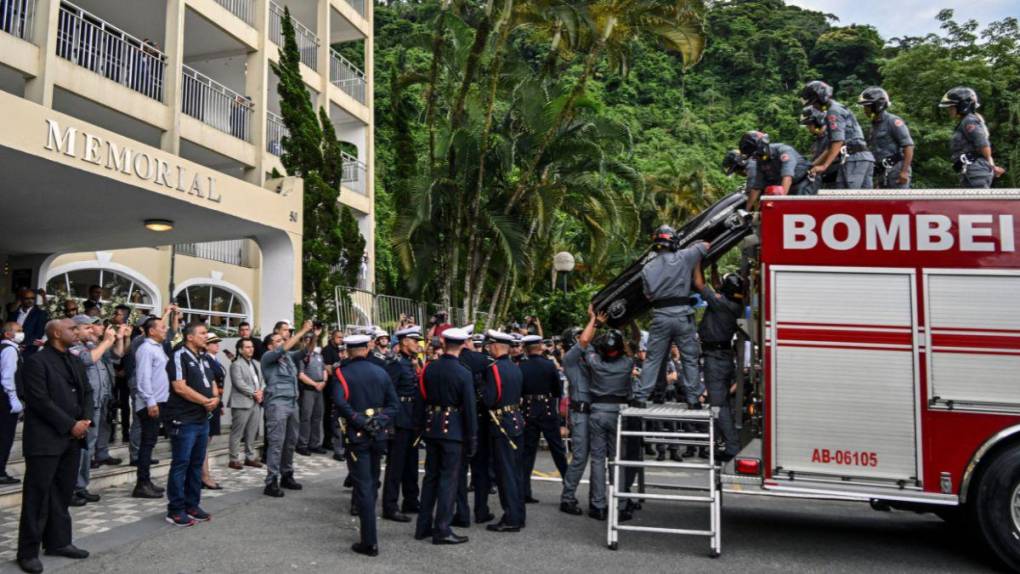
<point x="16" y="406"/>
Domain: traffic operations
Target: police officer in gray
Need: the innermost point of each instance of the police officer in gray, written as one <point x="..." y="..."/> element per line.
<point x="609" y="373"/>
<point x="579" y="389"/>
<point x="970" y="149"/>
<point x="667" y="284"/>
<point x="846" y="140"/>
<point x="889" y="140"/>
<point x="718" y="326"/>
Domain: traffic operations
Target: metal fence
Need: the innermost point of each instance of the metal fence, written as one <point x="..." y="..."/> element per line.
<point x="211" y="102"/>
<point x="307" y="41"/>
<point x="16" y="18"/>
<point x="275" y="132"/>
<point x="97" y="46"/>
<point x="243" y="9"/>
<point x="358" y="307"/>
<point x="232" y="251"/>
<point x="353" y="174"/>
<point x="346" y="76"/>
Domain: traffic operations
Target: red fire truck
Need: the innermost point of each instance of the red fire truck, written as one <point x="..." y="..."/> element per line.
<point x="882" y="353"/>
<point x="886" y="332"/>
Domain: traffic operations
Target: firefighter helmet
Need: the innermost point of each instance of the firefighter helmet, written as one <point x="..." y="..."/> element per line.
<point x="816" y="93"/>
<point x="569" y="337"/>
<point x="874" y="99"/>
<point x="811" y="116"/>
<point x="610" y="345"/>
<point x="734" y="161"/>
<point x="664" y="238"/>
<point x="733" y="286"/>
<point x="964" y="99"/>
<point x="755" y="144"/>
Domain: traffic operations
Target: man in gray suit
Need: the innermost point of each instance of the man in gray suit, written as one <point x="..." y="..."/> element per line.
<point x="245" y="405"/>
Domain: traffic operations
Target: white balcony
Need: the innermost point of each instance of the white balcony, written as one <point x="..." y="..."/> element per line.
<point x="354" y="174"/>
<point x="243" y="9"/>
<point x="97" y="46"/>
<point x="275" y="132"/>
<point x="16" y="18"/>
<point x="346" y="76"/>
<point x="231" y="252"/>
<point x="214" y="104"/>
<point x="307" y="41"/>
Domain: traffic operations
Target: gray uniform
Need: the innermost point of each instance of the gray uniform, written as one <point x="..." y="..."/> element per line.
<point x="580" y="403"/>
<point x="820" y="146"/>
<point x="889" y="135"/>
<point x="610" y="381"/>
<point x="100" y="375"/>
<point x="783" y="161"/>
<point x="718" y="326"/>
<point x="311" y="405"/>
<point x="970" y="136"/>
<point x="281" y="412"/>
<point x="666" y="277"/>
<point x="857" y="164"/>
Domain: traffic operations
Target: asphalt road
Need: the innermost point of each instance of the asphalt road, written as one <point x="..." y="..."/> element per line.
<point x="310" y="531"/>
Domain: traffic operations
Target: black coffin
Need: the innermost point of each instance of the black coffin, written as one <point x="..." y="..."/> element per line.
<point x="723" y="225"/>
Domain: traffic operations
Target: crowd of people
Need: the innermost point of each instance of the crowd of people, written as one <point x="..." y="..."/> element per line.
<point x="843" y="157"/>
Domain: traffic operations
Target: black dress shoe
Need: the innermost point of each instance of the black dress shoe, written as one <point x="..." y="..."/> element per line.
<point x="691" y="451"/>
<point x="303" y="451"/>
<point x="355" y="511"/>
<point x="396" y="517"/>
<point x="30" y="565"/>
<point x="423" y="535"/>
<point x="88" y="496"/>
<point x="703" y="452"/>
<point x="483" y="519"/>
<point x="112" y="461"/>
<point x="502" y="527"/>
<point x="8" y="479"/>
<point x="77" y="501"/>
<point x="146" y="490"/>
<point x="450" y="539"/>
<point x="365" y="549"/>
<point x="95" y="465"/>
<point x="649" y="450"/>
<point x="69" y="551"/>
<point x="598" y="513"/>
<point x="461" y="523"/>
<point x="317" y="450"/>
<point x="571" y="508"/>
<point x="675" y="456"/>
<point x="273" y="489"/>
<point x="158" y="489"/>
<point x="410" y="509"/>
<point x="660" y="457"/>
<point x="348" y="482"/>
<point x="338" y="457"/>
<point x="530" y="500"/>
<point x="289" y="483"/>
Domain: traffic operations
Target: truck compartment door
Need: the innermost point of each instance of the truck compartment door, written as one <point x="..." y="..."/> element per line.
<point x="844" y="378"/>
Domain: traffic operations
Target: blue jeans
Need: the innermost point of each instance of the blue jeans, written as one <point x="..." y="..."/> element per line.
<point x="188" y="442"/>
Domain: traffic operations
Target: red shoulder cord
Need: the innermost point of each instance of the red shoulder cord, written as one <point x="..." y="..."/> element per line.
<point x="421" y="381"/>
<point x="343" y="383"/>
<point x="499" y="382"/>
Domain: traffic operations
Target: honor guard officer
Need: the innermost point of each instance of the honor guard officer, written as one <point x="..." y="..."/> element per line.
<point x="735" y="162"/>
<point x="718" y="326"/>
<point x="776" y="164"/>
<point x="517" y="349"/>
<point x="368" y="402"/>
<point x="450" y="433"/>
<point x="667" y="284"/>
<point x="846" y="139"/>
<point x="475" y="362"/>
<point x="501" y="395"/>
<point x="402" y="457"/>
<point x="889" y="140"/>
<point x="970" y="149"/>
<point x="579" y="389"/>
<point x="609" y="371"/>
<point x="542" y="390"/>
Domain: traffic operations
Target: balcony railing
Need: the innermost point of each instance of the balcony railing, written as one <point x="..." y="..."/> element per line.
<point x="213" y="103"/>
<point x="232" y="252"/>
<point x="307" y="41"/>
<point x="243" y="9"/>
<point x="346" y="76"/>
<point x="358" y="5"/>
<point x="97" y="46"/>
<point x="275" y="132"/>
<point x="353" y="174"/>
<point x="16" y="17"/>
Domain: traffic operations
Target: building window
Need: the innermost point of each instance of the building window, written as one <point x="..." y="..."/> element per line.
<point x="219" y="308"/>
<point x="117" y="287"/>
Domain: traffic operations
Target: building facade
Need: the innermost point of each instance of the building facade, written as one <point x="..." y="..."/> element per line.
<point x="142" y="141"/>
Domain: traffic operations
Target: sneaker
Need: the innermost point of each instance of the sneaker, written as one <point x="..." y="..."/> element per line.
<point x="199" y="514"/>
<point x="181" y="519"/>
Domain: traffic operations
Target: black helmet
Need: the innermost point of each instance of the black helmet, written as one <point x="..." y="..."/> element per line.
<point x="734" y="161"/>
<point x="812" y="117"/>
<point x="754" y="144"/>
<point x="874" y="98"/>
<point x="733" y="286"/>
<point x="816" y="92"/>
<point x="964" y="99"/>
<point x="569" y="337"/>
<point x="610" y="345"/>
<point x="664" y="238"/>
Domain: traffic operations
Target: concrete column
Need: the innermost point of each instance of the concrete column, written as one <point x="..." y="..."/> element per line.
<point x="322" y="31"/>
<point x="44" y="34"/>
<point x="369" y="156"/>
<point x="256" y="85"/>
<point x="281" y="278"/>
<point x="174" y="50"/>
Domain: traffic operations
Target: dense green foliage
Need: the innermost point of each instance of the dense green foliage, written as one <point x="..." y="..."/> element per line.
<point x="645" y="142"/>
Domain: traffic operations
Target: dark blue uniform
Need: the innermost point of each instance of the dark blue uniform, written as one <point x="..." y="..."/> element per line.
<point x="365" y="386"/>
<point x="542" y="390"/>
<point x="501" y="395"/>
<point x="402" y="458"/>
<point x="449" y="427"/>
<point x="476" y="363"/>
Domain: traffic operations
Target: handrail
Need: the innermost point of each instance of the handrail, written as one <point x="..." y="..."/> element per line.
<point x="215" y="104"/>
<point x="307" y="41"/>
<point x="276" y="130"/>
<point x="243" y="9"/>
<point x="346" y="76"/>
<point x="16" y="18"/>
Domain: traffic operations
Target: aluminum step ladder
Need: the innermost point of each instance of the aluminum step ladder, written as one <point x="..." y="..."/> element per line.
<point x="694" y="428"/>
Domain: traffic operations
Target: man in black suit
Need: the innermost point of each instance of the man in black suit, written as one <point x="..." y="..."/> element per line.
<point x="32" y="319"/>
<point x="58" y="413"/>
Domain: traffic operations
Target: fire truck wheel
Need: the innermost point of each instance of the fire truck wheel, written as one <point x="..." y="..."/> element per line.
<point x="997" y="507"/>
